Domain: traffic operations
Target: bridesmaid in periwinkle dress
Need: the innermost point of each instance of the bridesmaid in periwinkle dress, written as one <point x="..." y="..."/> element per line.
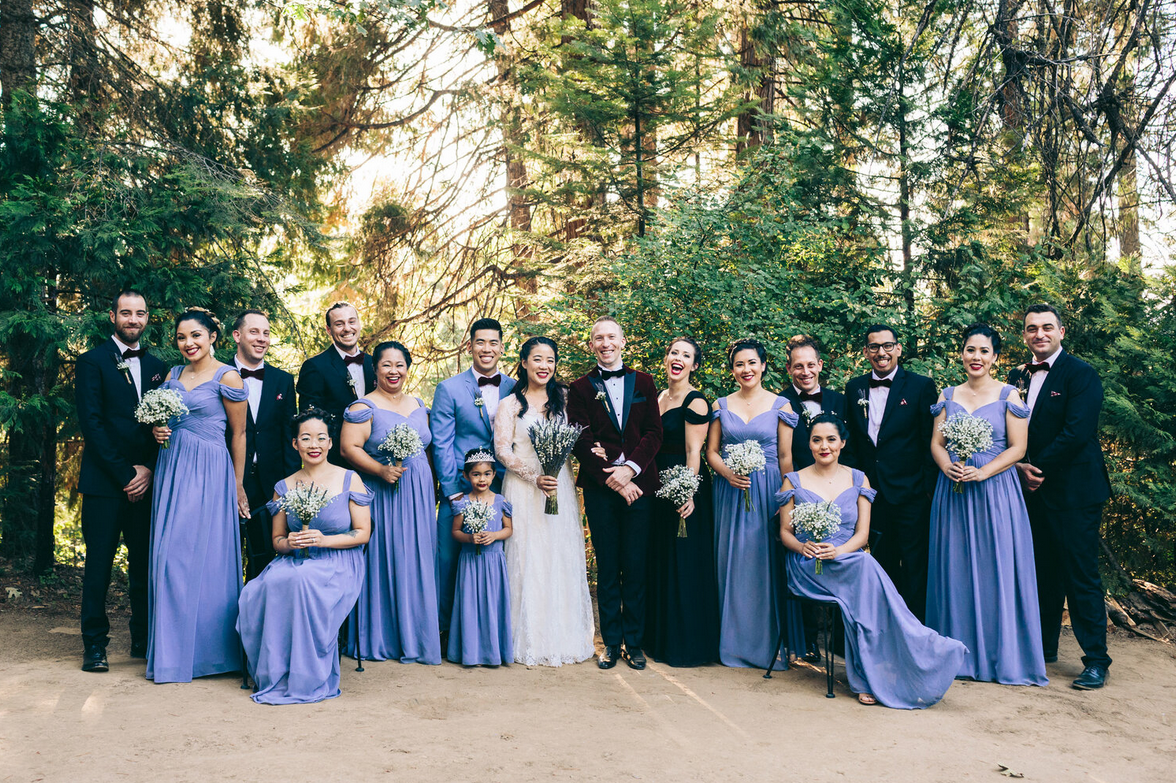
<point x="479" y="632"/>
<point x="398" y="604"/>
<point x="291" y="613"/>
<point x="890" y="657"/>
<point x="195" y="576"/>
<point x="747" y="552"/>
<point x="682" y="599"/>
<point x="982" y="582"/>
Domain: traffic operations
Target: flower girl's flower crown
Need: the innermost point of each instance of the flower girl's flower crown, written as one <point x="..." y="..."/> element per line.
<point x="479" y="456"/>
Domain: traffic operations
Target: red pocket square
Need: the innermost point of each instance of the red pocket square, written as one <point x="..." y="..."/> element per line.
<point x="155" y="377"/>
<point x="902" y="402"/>
<point x="279" y="397"/>
<point x="1055" y="394"/>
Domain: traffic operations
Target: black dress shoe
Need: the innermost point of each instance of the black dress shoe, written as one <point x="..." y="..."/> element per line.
<point x="812" y="653"/>
<point x="1051" y="658"/>
<point x="94" y="659"/>
<point x="444" y="644"/>
<point x="635" y="658"/>
<point x="608" y="658"/>
<point x="138" y="649"/>
<point x="1092" y="678"/>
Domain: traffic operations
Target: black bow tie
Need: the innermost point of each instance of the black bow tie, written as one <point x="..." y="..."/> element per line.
<point x="259" y="373"/>
<point x="876" y="382"/>
<point x="493" y="380"/>
<point x="134" y="353"/>
<point x="607" y="374"/>
<point x="1037" y="367"/>
<point x="357" y="359"/>
<point x="813" y="397"/>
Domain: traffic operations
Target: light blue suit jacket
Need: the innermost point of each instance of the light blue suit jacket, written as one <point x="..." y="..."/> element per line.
<point x="458" y="424"/>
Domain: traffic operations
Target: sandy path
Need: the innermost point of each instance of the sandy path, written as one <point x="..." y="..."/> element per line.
<point x="446" y="723"/>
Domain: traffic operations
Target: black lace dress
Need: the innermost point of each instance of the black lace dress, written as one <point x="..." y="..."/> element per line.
<point x="682" y="604"/>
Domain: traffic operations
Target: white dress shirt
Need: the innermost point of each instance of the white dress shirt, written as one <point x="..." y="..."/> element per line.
<point x="878" y="397"/>
<point x="355" y="371"/>
<point x="615" y="389"/>
<point x="252" y="385"/>
<point x="812" y="407"/>
<point x="490" y="395"/>
<point x="1037" y="380"/>
<point x="133" y="364"/>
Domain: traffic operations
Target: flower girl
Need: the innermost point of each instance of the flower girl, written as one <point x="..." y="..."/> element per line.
<point x="479" y="633"/>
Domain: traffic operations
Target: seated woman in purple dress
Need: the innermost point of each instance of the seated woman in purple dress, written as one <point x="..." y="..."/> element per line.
<point x="291" y="613"/>
<point x="195" y="574"/>
<point x="982" y="582"/>
<point x="397" y="609"/>
<point x="889" y="656"/>
<point x="479" y="633"/>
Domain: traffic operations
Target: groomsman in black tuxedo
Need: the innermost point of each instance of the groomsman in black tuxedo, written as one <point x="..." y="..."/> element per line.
<point x="116" y="474"/>
<point x="809" y="398"/>
<point x="339" y="375"/>
<point x="1065" y="482"/>
<point x="269" y="431"/>
<point x="890" y="427"/>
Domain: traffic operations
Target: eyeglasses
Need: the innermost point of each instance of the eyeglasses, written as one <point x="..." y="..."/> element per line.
<point x="875" y="347"/>
<point x="306" y="440"/>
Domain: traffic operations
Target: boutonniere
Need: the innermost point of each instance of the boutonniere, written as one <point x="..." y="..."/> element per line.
<point x="478" y="402"/>
<point x="863" y="401"/>
<point x="350" y="381"/>
<point x="601" y="396"/>
<point x="124" y="367"/>
<point x="807" y="414"/>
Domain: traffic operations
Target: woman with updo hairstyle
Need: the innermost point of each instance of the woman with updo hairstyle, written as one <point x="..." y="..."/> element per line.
<point x="195" y="574"/>
<point x="982" y="581"/>
<point x="291" y="613"/>
<point x="397" y="609"/>
<point x="890" y="657"/>
<point x="681" y="597"/>
<point x="550" y="608"/>
<point x="747" y="553"/>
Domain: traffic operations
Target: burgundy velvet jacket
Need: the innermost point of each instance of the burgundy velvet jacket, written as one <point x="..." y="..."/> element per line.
<point x="639" y="437"/>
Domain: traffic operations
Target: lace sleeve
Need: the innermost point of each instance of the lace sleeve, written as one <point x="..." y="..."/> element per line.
<point x="504" y="435"/>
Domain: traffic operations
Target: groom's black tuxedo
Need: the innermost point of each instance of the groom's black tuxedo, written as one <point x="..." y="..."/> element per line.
<point x="323" y="382"/>
<point x="1065" y="512"/>
<point x="269" y="458"/>
<point x="831" y="402"/>
<point x="106" y="399"/>
<point x="900" y="467"/>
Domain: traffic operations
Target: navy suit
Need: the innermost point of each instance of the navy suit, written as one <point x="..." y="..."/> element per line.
<point x="1066" y="510"/>
<point x="114" y="444"/>
<point x="323" y="382"/>
<point x="458" y="424"/>
<point x="831" y="402"/>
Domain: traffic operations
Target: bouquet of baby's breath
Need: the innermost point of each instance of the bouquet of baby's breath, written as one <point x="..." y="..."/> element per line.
<point x="966" y="436"/>
<point x="401" y="442"/>
<point x="159" y="406"/>
<point x="553" y="441"/>
<point x="744" y="459"/>
<point x="476" y="517"/>
<point x="678" y="485"/>
<point x="818" y="521"/>
<point x="304" y="503"/>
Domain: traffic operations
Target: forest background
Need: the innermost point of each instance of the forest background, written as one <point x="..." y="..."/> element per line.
<point x="717" y="169"/>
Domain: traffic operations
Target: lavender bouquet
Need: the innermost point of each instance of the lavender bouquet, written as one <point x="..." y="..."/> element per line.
<point x="744" y="459"/>
<point x="553" y="442"/>
<point x="678" y="485"/>
<point x="159" y="406"/>
<point x="966" y="436"/>
<point x="816" y="520"/>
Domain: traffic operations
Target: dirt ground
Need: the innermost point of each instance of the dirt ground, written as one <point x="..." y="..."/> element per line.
<point x="446" y="723"/>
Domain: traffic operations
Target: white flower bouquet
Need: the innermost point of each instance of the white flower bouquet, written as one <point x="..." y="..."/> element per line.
<point x="160" y="406"/>
<point x="401" y="442"/>
<point x="476" y="517"/>
<point x="304" y="502"/>
<point x="678" y="485"/>
<point x="553" y="442"/>
<point x="818" y="521"/>
<point x="966" y="436"/>
<point x="744" y="459"/>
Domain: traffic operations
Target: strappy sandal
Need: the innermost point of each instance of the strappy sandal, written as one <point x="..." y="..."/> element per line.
<point x="867" y="699"/>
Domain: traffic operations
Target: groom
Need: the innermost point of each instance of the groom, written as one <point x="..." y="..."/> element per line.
<point x="117" y="466"/>
<point x="617" y="406"/>
<point x="464" y="408"/>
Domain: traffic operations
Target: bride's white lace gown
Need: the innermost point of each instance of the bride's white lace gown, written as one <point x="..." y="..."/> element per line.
<point x="550" y="609"/>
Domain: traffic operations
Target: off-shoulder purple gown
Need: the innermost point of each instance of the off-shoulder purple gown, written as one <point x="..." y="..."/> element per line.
<point x="195" y="576"/>
<point x="747" y="550"/>
<point x="888" y="652"/>
<point x="479" y="633"/>
<point x="398" y="604"/>
<point x="982" y="584"/>
<point x="291" y="613"/>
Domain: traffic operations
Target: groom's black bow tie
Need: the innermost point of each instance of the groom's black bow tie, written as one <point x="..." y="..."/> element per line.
<point x="814" y="397"/>
<point x="1035" y="367"/>
<point x="494" y="380"/>
<point x="876" y="382"/>
<point x="259" y="373"/>
<point x="607" y="374"/>
<point x="134" y="353"/>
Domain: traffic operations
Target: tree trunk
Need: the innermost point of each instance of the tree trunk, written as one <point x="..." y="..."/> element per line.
<point x="18" y="53"/>
<point x="904" y="204"/>
<point x="752" y="127"/>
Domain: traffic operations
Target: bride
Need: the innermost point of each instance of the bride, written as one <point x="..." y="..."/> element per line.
<point x="550" y="611"/>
